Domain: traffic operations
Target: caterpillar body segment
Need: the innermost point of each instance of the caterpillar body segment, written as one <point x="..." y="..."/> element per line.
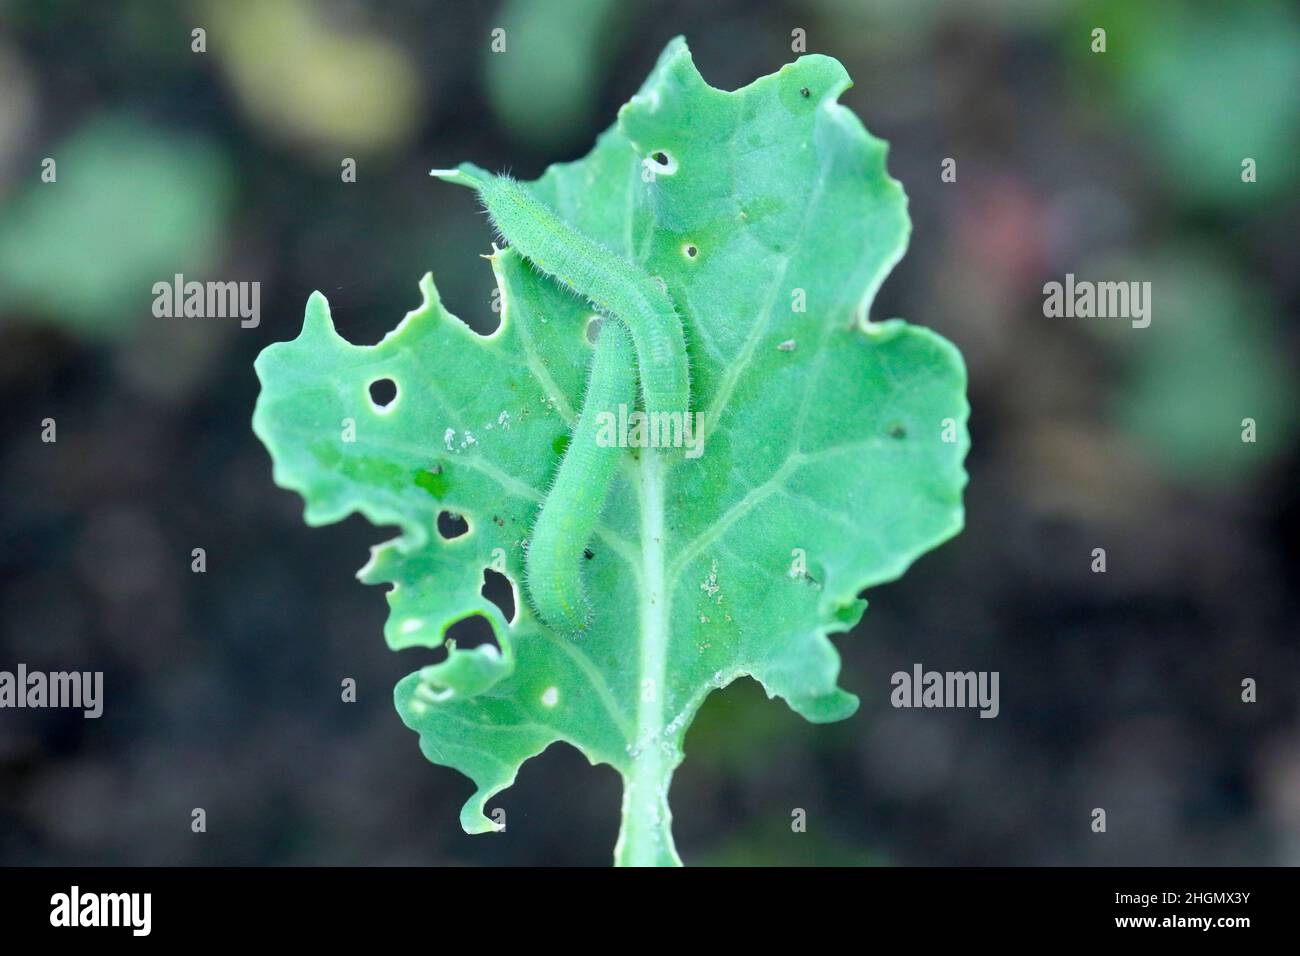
<point x="614" y="286"/>
<point x="554" y="560"/>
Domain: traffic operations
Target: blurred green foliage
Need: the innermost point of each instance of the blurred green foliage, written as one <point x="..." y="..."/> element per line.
<point x="543" y="85"/>
<point x="1210" y="358"/>
<point x="303" y="79"/>
<point x="131" y="206"/>
<point x="1205" y="84"/>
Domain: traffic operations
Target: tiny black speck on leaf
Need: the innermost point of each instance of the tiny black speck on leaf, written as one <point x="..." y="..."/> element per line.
<point x="588" y="553"/>
<point x="805" y="92"/>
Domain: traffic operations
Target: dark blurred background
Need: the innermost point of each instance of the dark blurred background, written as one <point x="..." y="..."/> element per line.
<point x="1119" y="690"/>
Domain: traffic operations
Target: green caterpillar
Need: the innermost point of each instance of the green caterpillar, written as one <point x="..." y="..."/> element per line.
<point x="612" y="284"/>
<point x="646" y="338"/>
<point x="555" y="551"/>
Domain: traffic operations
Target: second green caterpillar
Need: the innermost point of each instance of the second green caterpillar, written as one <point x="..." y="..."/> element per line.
<point x="564" y="526"/>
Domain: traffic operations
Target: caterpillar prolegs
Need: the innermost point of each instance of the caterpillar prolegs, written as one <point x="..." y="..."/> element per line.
<point x="645" y="322"/>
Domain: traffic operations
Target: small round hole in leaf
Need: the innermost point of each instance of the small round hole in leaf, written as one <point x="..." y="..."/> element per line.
<point x="661" y="163"/>
<point x="383" y="392"/>
<point x="691" y="250"/>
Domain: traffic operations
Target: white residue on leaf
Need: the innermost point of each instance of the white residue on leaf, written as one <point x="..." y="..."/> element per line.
<point x="710" y="585"/>
<point x="504" y="419"/>
<point x="449" y="439"/>
<point x="411" y="625"/>
<point x="550" y="696"/>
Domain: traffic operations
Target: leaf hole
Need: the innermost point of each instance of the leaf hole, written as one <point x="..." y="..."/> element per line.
<point x="691" y="250"/>
<point x="383" y="392"/>
<point x="473" y="631"/>
<point x="452" y="525"/>
<point x="662" y="163"/>
<point x="498" y="589"/>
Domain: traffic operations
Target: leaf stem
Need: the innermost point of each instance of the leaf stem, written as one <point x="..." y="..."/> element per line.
<point x="645" y="837"/>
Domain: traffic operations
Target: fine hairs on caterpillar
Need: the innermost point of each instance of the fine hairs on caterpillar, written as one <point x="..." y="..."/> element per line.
<point x="645" y="336"/>
<point x="554" y="559"/>
<point x="612" y="284"/>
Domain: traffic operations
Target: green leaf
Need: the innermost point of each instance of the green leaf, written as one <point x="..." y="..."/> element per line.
<point x="825" y="437"/>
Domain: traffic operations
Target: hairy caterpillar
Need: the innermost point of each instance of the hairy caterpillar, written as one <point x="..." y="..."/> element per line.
<point x="647" y="324"/>
<point x="612" y="284"/>
<point x="569" y="513"/>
